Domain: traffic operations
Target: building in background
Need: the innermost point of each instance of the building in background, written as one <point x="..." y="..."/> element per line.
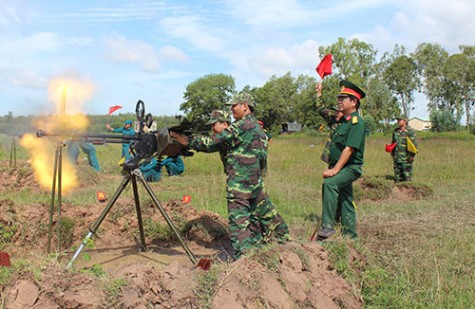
<point x="419" y="125"/>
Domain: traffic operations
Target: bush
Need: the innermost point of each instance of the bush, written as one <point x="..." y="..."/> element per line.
<point x="443" y="121"/>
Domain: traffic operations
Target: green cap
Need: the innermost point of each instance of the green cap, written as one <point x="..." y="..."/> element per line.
<point x="348" y="88"/>
<point x="402" y="116"/>
<point x="128" y="121"/>
<point x="242" y="97"/>
<point x="218" y="115"/>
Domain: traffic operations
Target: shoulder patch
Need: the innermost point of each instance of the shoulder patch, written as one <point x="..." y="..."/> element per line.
<point x="354" y="120"/>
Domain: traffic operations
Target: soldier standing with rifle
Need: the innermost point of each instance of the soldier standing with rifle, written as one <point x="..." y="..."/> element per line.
<point x="249" y="205"/>
<point x="345" y="164"/>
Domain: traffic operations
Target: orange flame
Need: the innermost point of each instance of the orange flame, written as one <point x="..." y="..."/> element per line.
<point x="68" y="95"/>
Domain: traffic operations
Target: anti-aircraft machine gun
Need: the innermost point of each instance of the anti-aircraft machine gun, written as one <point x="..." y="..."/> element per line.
<point x="144" y="146"/>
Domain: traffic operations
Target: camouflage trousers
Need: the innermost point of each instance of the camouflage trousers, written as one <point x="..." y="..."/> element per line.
<point x="253" y="221"/>
<point x="402" y="171"/>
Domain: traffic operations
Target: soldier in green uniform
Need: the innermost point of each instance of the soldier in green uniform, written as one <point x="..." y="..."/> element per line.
<point x="345" y="164"/>
<point x="403" y="154"/>
<point x="249" y="205"/>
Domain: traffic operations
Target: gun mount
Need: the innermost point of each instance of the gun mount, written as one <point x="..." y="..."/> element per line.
<point x="168" y="141"/>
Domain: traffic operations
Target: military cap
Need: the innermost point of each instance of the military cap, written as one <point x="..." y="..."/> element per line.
<point x="242" y="97"/>
<point x="218" y="115"/>
<point x="348" y="88"/>
<point x="402" y="116"/>
<point x="128" y="121"/>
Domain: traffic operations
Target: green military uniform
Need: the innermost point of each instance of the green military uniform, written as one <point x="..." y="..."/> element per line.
<point x="337" y="191"/>
<point x="251" y="216"/>
<point x="402" y="158"/>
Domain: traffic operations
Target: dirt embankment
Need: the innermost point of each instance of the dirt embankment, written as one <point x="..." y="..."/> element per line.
<point x="116" y="274"/>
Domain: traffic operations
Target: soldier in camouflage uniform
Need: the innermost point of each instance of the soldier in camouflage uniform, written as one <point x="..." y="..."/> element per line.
<point x="331" y="116"/>
<point x="249" y="205"/>
<point x="403" y="159"/>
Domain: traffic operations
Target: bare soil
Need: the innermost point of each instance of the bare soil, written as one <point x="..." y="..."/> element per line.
<point x="288" y="275"/>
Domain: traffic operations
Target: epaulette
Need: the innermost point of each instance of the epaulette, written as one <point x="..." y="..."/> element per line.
<point x="354" y="120"/>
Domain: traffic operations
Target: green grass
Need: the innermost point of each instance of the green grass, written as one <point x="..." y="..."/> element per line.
<point x="419" y="252"/>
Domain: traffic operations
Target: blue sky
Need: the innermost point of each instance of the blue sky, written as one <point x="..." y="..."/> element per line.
<point x="151" y="50"/>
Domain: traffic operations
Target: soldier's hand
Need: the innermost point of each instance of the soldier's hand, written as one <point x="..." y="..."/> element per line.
<point x="318" y="88"/>
<point x="329" y="173"/>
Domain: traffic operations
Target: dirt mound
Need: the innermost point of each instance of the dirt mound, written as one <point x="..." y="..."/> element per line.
<point x="113" y="271"/>
<point x="287" y="276"/>
<point x="384" y="188"/>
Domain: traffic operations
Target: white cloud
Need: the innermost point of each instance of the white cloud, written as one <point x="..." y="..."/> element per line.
<point x="193" y="30"/>
<point x="27" y="78"/>
<point x="171" y="52"/>
<point x="42" y="41"/>
<point x="279" y="60"/>
<point x="135" y="51"/>
<point x="8" y="13"/>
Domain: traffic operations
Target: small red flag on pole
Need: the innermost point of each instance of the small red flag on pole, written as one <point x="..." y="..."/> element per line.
<point x="114" y="108"/>
<point x="324" y="68"/>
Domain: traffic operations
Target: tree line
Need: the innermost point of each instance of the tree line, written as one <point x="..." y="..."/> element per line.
<point x="391" y="82"/>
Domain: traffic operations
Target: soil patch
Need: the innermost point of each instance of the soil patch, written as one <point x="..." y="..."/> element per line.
<point x="114" y="272"/>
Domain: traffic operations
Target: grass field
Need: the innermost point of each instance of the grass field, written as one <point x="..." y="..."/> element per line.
<point x="419" y="253"/>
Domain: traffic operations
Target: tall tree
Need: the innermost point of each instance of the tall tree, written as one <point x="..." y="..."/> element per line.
<point x="430" y="59"/>
<point x="275" y="100"/>
<point x="205" y="95"/>
<point x="458" y="86"/>
<point x="402" y="79"/>
<point x="352" y="59"/>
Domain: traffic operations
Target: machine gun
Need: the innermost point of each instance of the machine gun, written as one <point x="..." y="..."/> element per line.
<point x="167" y="141"/>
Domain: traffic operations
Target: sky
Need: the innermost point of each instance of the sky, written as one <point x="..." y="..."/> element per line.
<point x="123" y="51"/>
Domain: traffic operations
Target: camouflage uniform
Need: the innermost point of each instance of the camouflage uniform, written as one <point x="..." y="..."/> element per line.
<point x="251" y="215"/>
<point x="328" y="114"/>
<point x="402" y="158"/>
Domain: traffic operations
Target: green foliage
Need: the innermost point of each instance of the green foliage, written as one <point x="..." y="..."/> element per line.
<point x="96" y="270"/>
<point x="113" y="290"/>
<point x="204" y="95"/>
<point x="66" y="231"/>
<point x="161" y="231"/>
<point x="205" y="285"/>
<point x="443" y="121"/>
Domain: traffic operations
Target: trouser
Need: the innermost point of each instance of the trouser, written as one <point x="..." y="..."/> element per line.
<point x="337" y="195"/>
<point x="125" y="150"/>
<point x="253" y="220"/>
<point x="402" y="171"/>
<point x="89" y="149"/>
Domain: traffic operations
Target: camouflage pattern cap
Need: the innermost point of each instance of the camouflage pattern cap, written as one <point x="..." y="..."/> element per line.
<point x="218" y="115"/>
<point x="242" y="97"/>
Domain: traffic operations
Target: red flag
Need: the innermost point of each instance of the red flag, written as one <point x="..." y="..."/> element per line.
<point x="114" y="108"/>
<point x="324" y="68"/>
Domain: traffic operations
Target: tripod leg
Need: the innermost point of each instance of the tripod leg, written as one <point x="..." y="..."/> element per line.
<point x="139" y="212"/>
<point x="93" y="228"/>
<point x="60" y="172"/>
<point x="166" y="217"/>
<point x="53" y="193"/>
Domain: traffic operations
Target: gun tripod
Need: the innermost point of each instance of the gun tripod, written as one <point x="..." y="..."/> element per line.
<point x="131" y="177"/>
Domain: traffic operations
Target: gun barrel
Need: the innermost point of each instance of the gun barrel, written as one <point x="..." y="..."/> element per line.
<point x="93" y="138"/>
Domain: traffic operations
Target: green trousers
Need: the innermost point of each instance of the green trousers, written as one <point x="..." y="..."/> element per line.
<point x="337" y="195"/>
